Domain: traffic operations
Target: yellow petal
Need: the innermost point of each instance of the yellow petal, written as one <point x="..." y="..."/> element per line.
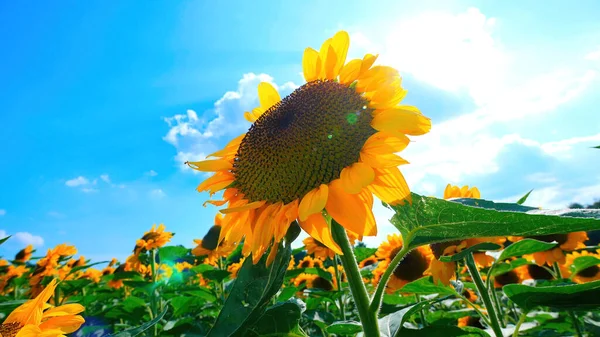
<point x="210" y="165"/>
<point x="63" y="310"/>
<point x="402" y="119"/>
<point x="350" y="71"/>
<point x="330" y="64"/>
<point x="340" y="44"/>
<point x="252" y="205"/>
<point x="316" y="226"/>
<point x="356" y="176"/>
<point x="323" y="57"/>
<point x="371" y="226"/>
<point x="476" y="193"/>
<point x="313" y="202"/>
<point x="267" y="95"/>
<point x="30" y="312"/>
<point x="386" y="160"/>
<point x="66" y="324"/>
<point x="348" y="210"/>
<point x="384" y="143"/>
<point x="273" y="253"/>
<point x="311" y="64"/>
<point x="230" y="148"/>
<point x="217" y="182"/>
<point x="249" y="117"/>
<point x="390" y="186"/>
<point x="448" y="192"/>
<point x="367" y="62"/>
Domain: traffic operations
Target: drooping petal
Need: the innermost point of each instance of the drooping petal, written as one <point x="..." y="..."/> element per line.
<point x="311" y="64"/>
<point x="356" y="176"/>
<point x="230" y="148"/>
<point x="349" y="210"/>
<point x="371" y="226"/>
<point x="252" y="205"/>
<point x="217" y="182"/>
<point x="66" y="324"/>
<point x="273" y="253"/>
<point x="313" y="202"/>
<point x="401" y="119"/>
<point x="267" y="95"/>
<point x="63" y="310"/>
<point x="210" y="165"/>
<point x="390" y="186"/>
<point x="316" y="226"/>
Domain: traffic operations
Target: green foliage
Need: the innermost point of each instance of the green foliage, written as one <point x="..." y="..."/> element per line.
<point x="443" y="331"/>
<point x="430" y="220"/>
<point x="172" y="254"/>
<point x="345" y="328"/>
<point x="390" y="324"/>
<point x="480" y="247"/>
<point x="3" y="240"/>
<point x="524" y="198"/>
<point x="140" y="329"/>
<point x="251" y="292"/>
<point x="282" y="319"/>
<point x="425" y="285"/>
<point x="583" y="262"/>
<point x="562" y="297"/>
<point x="525" y="246"/>
<point x="362" y="253"/>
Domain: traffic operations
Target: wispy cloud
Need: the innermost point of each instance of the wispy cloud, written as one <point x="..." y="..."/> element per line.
<point x="24" y="238"/>
<point x="157" y="193"/>
<point x="105" y="178"/>
<point x="77" y="181"/>
<point x="151" y="173"/>
<point x="2" y="212"/>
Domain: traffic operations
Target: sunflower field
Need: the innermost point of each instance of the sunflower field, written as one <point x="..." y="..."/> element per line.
<point x="314" y="162"/>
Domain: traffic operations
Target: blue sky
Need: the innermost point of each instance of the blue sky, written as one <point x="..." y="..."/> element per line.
<point x="100" y="104"/>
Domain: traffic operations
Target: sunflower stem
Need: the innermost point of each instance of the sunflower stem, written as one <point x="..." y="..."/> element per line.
<point x="421" y="314"/>
<point x="378" y="296"/>
<point x="221" y="283"/>
<point x="472" y="305"/>
<point x="338" y="279"/>
<point x="498" y="307"/>
<point x="519" y="323"/>
<point x="578" y="331"/>
<point x="368" y="318"/>
<point x="153" y="296"/>
<point x="484" y="293"/>
<point x="557" y="270"/>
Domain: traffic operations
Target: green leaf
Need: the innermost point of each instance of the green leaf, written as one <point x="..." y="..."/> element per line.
<point x="584" y="262"/>
<point x="287" y="293"/>
<point x="279" y="320"/>
<point x="216" y="275"/>
<point x="131" y="303"/>
<point x="503" y="267"/>
<point x="345" y="328"/>
<point x="313" y="271"/>
<point x="443" y="331"/>
<point x="202" y="293"/>
<point x="498" y="206"/>
<point x="430" y="220"/>
<point x="173" y="254"/>
<point x="480" y="247"/>
<point x="3" y="240"/>
<point x="199" y="269"/>
<point x="525" y="246"/>
<point x="78" y="268"/>
<point x="524" y="198"/>
<point x="251" y="292"/>
<point x="362" y="253"/>
<point x="390" y="324"/>
<point x="124" y="275"/>
<point x="71" y="286"/>
<point x="181" y="305"/>
<point x="140" y="329"/>
<point x="596" y="147"/>
<point x="565" y="297"/>
<point x="425" y="285"/>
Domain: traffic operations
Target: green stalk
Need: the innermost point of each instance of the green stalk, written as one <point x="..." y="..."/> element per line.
<point x="498" y="306"/>
<point x="421" y="314"/>
<point x="472" y="305"/>
<point x="368" y="318"/>
<point x="153" y="296"/>
<point x="484" y="293"/>
<point x="519" y="323"/>
<point x="340" y="289"/>
<point x="557" y="270"/>
<point x="221" y="283"/>
<point x="378" y="296"/>
<point x="578" y="331"/>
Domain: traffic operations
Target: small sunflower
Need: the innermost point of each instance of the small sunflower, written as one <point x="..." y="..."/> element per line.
<point x="318" y="249"/>
<point x="11" y="273"/>
<point x="329" y="146"/>
<point x="34" y="318"/>
<point x="153" y="239"/>
<point x="412" y="267"/>
<point x="24" y="254"/>
<point x="303" y="280"/>
<point x="115" y="284"/>
<point x="113" y="262"/>
<point x="472" y="321"/>
<point x="183" y="266"/>
<point x="461" y="192"/>
<point x="369" y="261"/>
<point x="212" y="246"/>
<point x="533" y="272"/>
<point x="92" y="274"/>
<point x="510" y="277"/>
<point x="234" y="268"/>
<point x="470" y="295"/>
<point x="566" y="242"/>
<point x="309" y="262"/>
<point x="588" y="274"/>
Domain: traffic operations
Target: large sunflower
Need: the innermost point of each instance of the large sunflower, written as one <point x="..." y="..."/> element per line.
<point x="414" y="265"/>
<point x="316" y="248"/>
<point x="36" y="318"/>
<point x="329" y="146"/>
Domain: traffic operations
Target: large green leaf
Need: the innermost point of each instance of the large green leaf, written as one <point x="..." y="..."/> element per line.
<point x="3" y="240"/>
<point x="430" y="220"/>
<point x="525" y="246"/>
<point x="251" y="292"/>
<point x="392" y="323"/>
<point x="363" y="252"/>
<point x="565" y="297"/>
<point x="140" y="329"/>
<point x="584" y="262"/>
<point x="480" y="247"/>
<point x="345" y="328"/>
<point x="524" y="198"/>
<point x="443" y="331"/>
<point x="173" y="254"/>
<point x="279" y="320"/>
<point x="425" y="286"/>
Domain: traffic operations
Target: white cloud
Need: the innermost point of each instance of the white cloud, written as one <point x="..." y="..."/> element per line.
<point x="157" y="193"/>
<point x="89" y="190"/>
<point x="105" y="178"/>
<point x="28" y="239"/>
<point x="194" y="135"/>
<point x="77" y="181"/>
<point x="151" y="173"/>
<point x="3" y="234"/>
<point x="55" y="214"/>
<point x="2" y="212"/>
<point x="593" y="56"/>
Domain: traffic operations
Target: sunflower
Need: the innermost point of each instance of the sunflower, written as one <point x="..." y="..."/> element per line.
<point x="470" y="295"/>
<point x="472" y="321"/>
<point x="24" y="254"/>
<point x="412" y="267"/>
<point x="369" y="261"/>
<point x="309" y="262"/>
<point x="182" y="267"/>
<point x="234" y="268"/>
<point x="329" y="146"/>
<point x="154" y="238"/>
<point x="212" y="246"/>
<point x="461" y="192"/>
<point x="11" y="273"/>
<point x="510" y="277"/>
<point x="115" y="284"/>
<point x="30" y="319"/>
<point x="533" y="272"/>
<point x="113" y="262"/>
<point x="318" y="249"/>
<point x="566" y="242"/>
<point x="588" y="274"/>
<point x="92" y="274"/>
<point x="303" y="280"/>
